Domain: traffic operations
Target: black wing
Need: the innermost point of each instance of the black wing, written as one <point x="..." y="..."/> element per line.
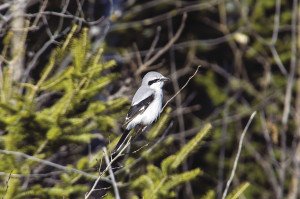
<point x="138" y="109"/>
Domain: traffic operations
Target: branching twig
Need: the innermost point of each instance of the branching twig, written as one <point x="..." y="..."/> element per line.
<point x="187" y="82"/>
<point x="68" y="16"/>
<point x="46" y="162"/>
<point x="166" y="47"/>
<point x="162" y="17"/>
<point x="111" y="173"/>
<point x="153" y="45"/>
<point x="183" y="45"/>
<point x="148" y="151"/>
<point x="238" y="155"/>
<point x="100" y="177"/>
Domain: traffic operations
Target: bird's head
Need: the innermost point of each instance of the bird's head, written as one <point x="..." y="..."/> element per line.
<point x="154" y="80"/>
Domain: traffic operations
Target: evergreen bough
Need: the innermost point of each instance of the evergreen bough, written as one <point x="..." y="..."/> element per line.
<point x="58" y="113"/>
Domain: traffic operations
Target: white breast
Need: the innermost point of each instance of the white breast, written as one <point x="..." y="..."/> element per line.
<point x="153" y="111"/>
<point x="150" y="114"/>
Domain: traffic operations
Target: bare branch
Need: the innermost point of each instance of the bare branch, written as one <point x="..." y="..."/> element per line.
<point x="46" y="162"/>
<point x="165" y="48"/>
<point x="106" y="169"/>
<point x="6" y="188"/>
<point x="154" y="42"/>
<point x="238" y="155"/>
<point x="111" y="173"/>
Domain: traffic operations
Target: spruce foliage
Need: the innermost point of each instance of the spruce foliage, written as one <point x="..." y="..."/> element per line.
<point x="59" y="112"/>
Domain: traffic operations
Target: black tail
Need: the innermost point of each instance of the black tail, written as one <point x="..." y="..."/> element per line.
<point x="116" y="164"/>
<point x="122" y="140"/>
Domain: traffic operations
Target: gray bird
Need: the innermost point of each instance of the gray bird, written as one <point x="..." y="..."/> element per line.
<point x="146" y="104"/>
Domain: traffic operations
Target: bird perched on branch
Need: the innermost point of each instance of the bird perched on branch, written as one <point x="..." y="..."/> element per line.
<point x="146" y="105"/>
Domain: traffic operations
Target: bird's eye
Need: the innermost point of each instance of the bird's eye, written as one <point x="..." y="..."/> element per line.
<point x="153" y="81"/>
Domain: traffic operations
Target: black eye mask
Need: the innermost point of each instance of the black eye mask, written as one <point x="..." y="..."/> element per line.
<point x="153" y="81"/>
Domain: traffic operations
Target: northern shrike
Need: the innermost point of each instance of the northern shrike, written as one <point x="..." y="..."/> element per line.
<point x="146" y="104"/>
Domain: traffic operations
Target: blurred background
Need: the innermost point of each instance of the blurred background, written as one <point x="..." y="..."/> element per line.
<point x="69" y="69"/>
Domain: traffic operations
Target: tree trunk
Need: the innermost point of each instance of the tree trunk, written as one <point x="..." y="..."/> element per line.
<point x="18" y="29"/>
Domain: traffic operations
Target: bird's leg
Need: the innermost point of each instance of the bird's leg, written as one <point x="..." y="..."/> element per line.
<point x="144" y="128"/>
<point x="139" y="129"/>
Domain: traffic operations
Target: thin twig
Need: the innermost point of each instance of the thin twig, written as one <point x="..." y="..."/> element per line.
<point x="42" y="9"/>
<point x="221" y="157"/>
<point x="46" y="162"/>
<point x="275" y="37"/>
<point x="238" y="155"/>
<point x="153" y="45"/>
<point x="186" y="83"/>
<point x="31" y="175"/>
<point x="148" y="151"/>
<point x="267" y="168"/>
<point x="288" y="95"/>
<point x="166" y="47"/>
<point x="164" y="16"/>
<point x="111" y="173"/>
<point x="178" y="102"/>
<point x="7" y="185"/>
<point x="276" y="22"/>
<point x="68" y="16"/>
<point x="209" y="43"/>
<point x="106" y="169"/>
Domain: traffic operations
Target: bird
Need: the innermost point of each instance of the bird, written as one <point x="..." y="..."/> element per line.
<point x="146" y="104"/>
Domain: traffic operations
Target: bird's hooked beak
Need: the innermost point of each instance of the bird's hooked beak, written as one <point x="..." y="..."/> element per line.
<point x="165" y="79"/>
